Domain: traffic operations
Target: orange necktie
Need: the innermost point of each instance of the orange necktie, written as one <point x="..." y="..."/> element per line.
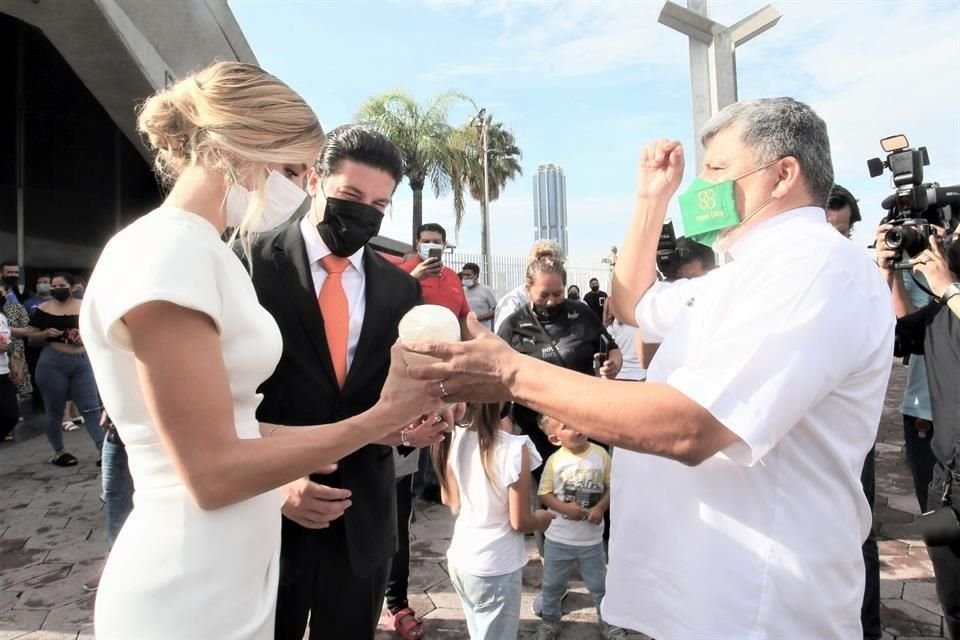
<point x="336" y="313"/>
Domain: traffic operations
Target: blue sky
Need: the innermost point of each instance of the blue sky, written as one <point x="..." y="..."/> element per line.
<point x="587" y="84"/>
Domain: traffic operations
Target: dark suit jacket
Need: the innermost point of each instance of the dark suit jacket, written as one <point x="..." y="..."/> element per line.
<point x="303" y="390"/>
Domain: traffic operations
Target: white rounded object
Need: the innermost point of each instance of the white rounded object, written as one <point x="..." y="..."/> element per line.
<point x="428" y="322"/>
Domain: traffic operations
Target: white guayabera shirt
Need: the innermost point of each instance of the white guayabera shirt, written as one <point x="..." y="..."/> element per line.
<point x="790" y="347"/>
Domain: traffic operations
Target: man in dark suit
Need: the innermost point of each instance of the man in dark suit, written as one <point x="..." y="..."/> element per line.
<point x="337" y="303"/>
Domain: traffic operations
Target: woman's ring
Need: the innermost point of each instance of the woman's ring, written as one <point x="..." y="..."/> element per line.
<point x="443" y="390"/>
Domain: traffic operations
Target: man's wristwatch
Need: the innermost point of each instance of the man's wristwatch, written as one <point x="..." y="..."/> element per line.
<point x="949" y="292"/>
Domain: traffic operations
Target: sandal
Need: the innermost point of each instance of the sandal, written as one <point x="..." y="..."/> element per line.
<point x="65" y="460"/>
<point x="406" y="623"/>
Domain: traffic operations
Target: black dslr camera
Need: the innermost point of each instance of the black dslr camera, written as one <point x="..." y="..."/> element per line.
<point x="915" y="207"/>
<point x="669" y="254"/>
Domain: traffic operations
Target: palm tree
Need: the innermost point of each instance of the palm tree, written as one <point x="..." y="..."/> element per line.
<point x="422" y="134"/>
<point x="503" y="161"/>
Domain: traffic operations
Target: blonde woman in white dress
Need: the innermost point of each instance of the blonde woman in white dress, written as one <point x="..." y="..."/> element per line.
<point x="179" y="346"/>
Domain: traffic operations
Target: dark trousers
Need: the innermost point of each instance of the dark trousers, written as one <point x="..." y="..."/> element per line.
<point x="9" y="406"/>
<point x="340" y="604"/>
<point x="870" y="610"/>
<point x="400" y="567"/>
<point x="920" y="458"/>
<point x="946" y="559"/>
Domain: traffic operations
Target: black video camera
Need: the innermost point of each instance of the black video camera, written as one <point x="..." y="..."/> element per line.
<point x="915" y="207"/>
<point x="673" y="253"/>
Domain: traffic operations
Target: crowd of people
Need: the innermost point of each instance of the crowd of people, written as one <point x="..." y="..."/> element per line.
<point x="279" y="433"/>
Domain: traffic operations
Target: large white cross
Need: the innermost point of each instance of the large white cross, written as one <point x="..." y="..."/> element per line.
<point x="713" y="60"/>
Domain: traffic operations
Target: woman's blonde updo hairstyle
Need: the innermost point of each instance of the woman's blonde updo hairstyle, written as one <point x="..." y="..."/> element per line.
<point x="232" y="117"/>
<point x="545" y="257"/>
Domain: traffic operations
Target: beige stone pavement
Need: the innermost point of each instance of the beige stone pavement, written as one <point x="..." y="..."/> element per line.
<point x="52" y="541"/>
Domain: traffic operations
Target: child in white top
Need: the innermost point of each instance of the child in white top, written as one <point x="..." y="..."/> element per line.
<point x="484" y="474"/>
<point x="576" y="486"/>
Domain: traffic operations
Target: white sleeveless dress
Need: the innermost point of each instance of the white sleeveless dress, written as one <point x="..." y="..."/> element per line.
<point x="177" y="571"/>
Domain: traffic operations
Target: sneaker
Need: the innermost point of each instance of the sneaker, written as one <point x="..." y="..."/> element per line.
<point x="92" y="584"/>
<point x="612" y="633"/>
<point x="537" y="606"/>
<point x="548" y="631"/>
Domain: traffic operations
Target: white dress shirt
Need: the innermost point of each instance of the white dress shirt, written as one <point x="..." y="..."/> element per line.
<point x="790" y="347"/>
<point x="353" y="280"/>
<point x="509" y="304"/>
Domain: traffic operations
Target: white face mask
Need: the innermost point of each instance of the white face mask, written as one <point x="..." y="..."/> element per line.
<point x="425" y="249"/>
<point x="468" y="282"/>
<point x="283" y="199"/>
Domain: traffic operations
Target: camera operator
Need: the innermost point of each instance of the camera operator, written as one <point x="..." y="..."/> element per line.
<point x="932" y="331"/>
<point x="694" y="259"/>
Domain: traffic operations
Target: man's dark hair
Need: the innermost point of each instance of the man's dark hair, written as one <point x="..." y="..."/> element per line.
<point x="472" y="266"/>
<point x="592" y="280"/>
<point x="360" y="144"/>
<point x="433" y="226"/>
<point x="840" y="198"/>
<point x="688" y="251"/>
<point x="9" y="263"/>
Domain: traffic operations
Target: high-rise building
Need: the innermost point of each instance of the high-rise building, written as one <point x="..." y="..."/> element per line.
<point x="550" y="204"/>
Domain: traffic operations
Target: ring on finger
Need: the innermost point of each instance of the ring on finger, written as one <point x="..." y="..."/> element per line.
<point x="443" y="390"/>
<point x="404" y="439"/>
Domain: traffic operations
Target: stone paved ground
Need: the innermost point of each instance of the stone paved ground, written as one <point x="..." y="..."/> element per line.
<point x="51" y="542"/>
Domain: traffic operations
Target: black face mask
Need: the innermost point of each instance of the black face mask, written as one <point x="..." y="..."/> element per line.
<point x="12" y="282"/>
<point x="61" y="294"/>
<point x="347" y="225"/>
<point x="595" y="287"/>
<point x="573" y="295"/>
<point x="549" y="314"/>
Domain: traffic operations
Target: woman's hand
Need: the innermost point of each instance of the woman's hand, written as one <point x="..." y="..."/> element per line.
<point x="52" y="333"/>
<point x="403" y="400"/>
<point x="612" y="365"/>
<point x="543" y="518"/>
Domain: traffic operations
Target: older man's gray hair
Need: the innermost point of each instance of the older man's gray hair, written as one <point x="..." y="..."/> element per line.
<point x="775" y="128"/>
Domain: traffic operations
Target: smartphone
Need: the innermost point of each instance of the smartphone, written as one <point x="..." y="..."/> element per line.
<point x="602" y="355"/>
<point x="435" y="253"/>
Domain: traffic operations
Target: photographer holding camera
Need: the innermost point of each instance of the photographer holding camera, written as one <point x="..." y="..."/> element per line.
<point x="932" y="331"/>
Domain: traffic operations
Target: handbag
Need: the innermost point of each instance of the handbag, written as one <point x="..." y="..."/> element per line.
<point x="18" y="365"/>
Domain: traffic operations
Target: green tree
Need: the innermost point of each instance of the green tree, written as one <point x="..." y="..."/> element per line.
<point x="422" y="134"/>
<point x="503" y="162"/>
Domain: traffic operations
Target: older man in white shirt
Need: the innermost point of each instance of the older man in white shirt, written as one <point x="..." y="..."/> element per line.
<point x="737" y="507"/>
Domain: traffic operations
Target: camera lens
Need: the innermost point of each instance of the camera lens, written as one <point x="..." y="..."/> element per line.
<point x="893" y="239"/>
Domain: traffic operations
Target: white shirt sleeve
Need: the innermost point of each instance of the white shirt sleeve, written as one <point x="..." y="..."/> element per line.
<point x="660" y="305"/>
<point x="775" y="355"/>
<point x="180" y="268"/>
<point x="507" y="306"/>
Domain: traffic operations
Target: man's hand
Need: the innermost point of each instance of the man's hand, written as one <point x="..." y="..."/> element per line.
<point x="429" y="268"/>
<point x="660" y="171"/>
<point x="314" y="505"/>
<point x="478" y="369"/>
<point x="933" y="264"/>
<point x="885" y="256"/>
<point x="595" y="515"/>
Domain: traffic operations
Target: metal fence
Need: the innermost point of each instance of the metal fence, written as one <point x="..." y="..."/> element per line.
<point x="508" y="272"/>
